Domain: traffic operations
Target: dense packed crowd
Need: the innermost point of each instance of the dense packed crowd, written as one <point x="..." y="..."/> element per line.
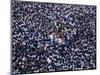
<point x="50" y="37"/>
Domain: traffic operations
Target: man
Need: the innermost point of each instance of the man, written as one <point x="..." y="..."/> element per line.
<point x="58" y="36"/>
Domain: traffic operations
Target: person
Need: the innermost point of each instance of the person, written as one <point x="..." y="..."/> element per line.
<point x="58" y="35"/>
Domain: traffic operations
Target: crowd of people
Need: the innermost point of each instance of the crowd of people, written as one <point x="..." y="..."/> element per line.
<point x="51" y="37"/>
